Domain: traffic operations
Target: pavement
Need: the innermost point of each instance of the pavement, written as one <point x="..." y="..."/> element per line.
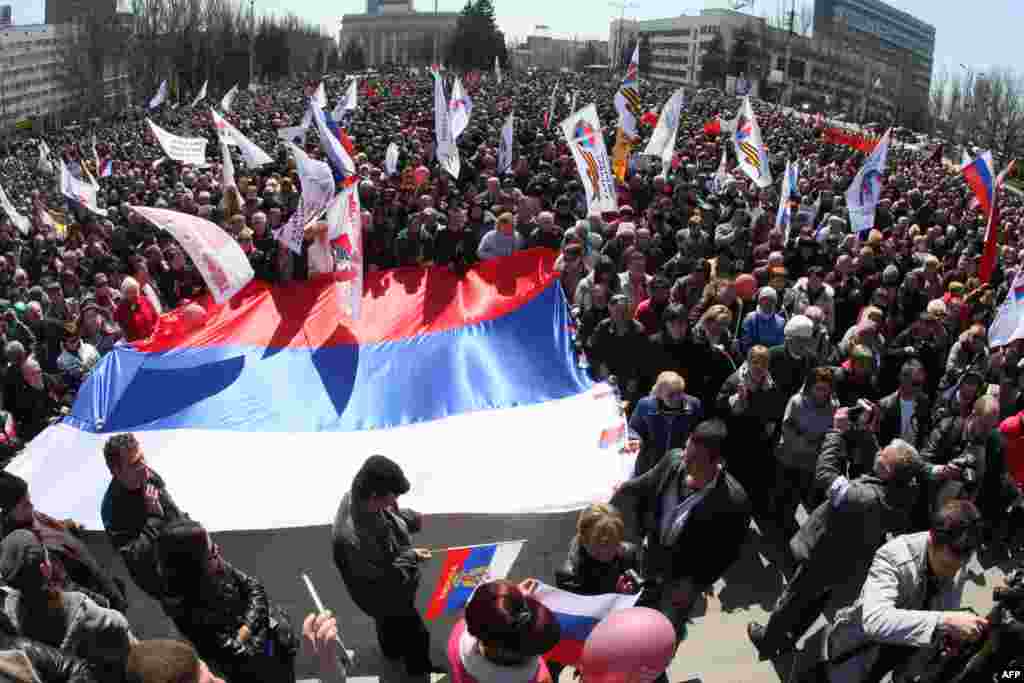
<point x="716" y="649"/>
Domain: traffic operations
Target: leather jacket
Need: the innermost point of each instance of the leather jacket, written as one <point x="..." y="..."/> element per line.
<point x="211" y="617"/>
<point x="50" y="664"/>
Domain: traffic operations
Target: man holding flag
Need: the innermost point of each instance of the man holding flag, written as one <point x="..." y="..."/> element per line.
<point x="372" y="542"/>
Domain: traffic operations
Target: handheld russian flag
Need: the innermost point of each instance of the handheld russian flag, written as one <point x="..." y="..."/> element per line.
<point x="466" y="568"/>
<point x="980" y="178"/>
<point x="988" y="253"/>
<point x="577" y="615"/>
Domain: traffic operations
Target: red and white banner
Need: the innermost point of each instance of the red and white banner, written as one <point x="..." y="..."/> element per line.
<point x="220" y="260"/>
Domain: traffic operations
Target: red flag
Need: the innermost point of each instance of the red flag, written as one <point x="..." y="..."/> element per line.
<point x="649" y="118"/>
<point x="988" y="255"/>
<point x="346" y="142"/>
<point x="713" y="127"/>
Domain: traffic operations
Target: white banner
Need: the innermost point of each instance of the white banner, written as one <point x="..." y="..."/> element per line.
<point x="222" y="263"/>
<point x="345" y="234"/>
<point x="447" y="150"/>
<point x="459" y="109"/>
<point x="186" y="150"/>
<point x="228" y="99"/>
<point x="348" y="102"/>
<point x="320" y="96"/>
<point x="663" y="139"/>
<point x="505" y="147"/>
<point x="583" y="132"/>
<point x="749" y="146"/>
<point x="23" y="224"/>
<point x="79" y="191"/>
<point x="391" y="160"/>
<point x="865" y="191"/>
<point x="317" y="182"/>
<point x="251" y="152"/>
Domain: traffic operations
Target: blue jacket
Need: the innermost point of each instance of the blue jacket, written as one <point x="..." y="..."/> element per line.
<point x="662" y="431"/>
<point x="757" y="329"/>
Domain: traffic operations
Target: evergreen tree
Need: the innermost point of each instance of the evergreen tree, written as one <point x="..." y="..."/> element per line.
<point x="713" y="64"/>
<point x="353" y="58"/>
<point x="477" y="40"/>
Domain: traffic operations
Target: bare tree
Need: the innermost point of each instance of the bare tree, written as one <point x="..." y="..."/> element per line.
<point x="805" y="19"/>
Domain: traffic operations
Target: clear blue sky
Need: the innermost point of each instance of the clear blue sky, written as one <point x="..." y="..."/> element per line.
<point x="30" y="11"/>
<point x="980" y="33"/>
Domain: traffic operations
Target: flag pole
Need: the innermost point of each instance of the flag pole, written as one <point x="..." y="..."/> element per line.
<point x="478" y="545"/>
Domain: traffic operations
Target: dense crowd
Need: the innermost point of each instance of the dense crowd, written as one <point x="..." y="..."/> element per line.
<point x="761" y="369"/>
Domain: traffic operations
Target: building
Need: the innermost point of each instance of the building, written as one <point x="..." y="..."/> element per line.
<point x="66" y="11"/>
<point x="34" y="83"/>
<point x="397" y="33"/>
<point x="6" y="16"/>
<point x="833" y="70"/>
<point x="545" y="52"/>
<point x="30" y="74"/>
<point x="902" y="40"/>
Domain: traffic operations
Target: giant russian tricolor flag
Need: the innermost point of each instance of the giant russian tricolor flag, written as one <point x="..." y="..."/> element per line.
<point x="577" y="615"/>
<point x="260" y="417"/>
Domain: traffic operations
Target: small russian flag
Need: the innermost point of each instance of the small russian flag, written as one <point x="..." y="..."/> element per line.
<point x="106" y="168"/>
<point x="1018" y="293"/>
<point x="466" y="568"/>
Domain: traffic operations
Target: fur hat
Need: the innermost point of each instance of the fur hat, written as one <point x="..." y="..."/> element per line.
<point x="380" y="475"/>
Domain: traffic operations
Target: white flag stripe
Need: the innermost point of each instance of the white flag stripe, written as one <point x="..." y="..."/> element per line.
<point x="504" y="557"/>
<point x="565" y="602"/>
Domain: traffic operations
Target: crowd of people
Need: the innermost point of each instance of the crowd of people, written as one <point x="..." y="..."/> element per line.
<point x="761" y="370"/>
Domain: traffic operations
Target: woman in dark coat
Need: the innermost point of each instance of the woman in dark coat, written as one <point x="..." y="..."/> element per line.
<point x="224" y="612"/>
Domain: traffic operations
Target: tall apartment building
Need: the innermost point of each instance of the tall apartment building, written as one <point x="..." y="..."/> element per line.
<point x="30" y="82"/>
<point x="836" y="69"/>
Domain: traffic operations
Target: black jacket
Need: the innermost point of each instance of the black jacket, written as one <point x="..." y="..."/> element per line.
<point x="712" y="537"/>
<point x="847" y="454"/>
<point x="133" y="531"/>
<point x="50" y="664"/>
<point x="891" y="422"/>
<point x="842" y="541"/>
<point x="211" y="616"/>
<point x="583" y="575"/>
<point x="373" y="552"/>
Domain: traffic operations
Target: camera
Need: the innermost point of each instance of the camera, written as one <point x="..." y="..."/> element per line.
<point x="855" y="413"/>
<point x="968" y="465"/>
